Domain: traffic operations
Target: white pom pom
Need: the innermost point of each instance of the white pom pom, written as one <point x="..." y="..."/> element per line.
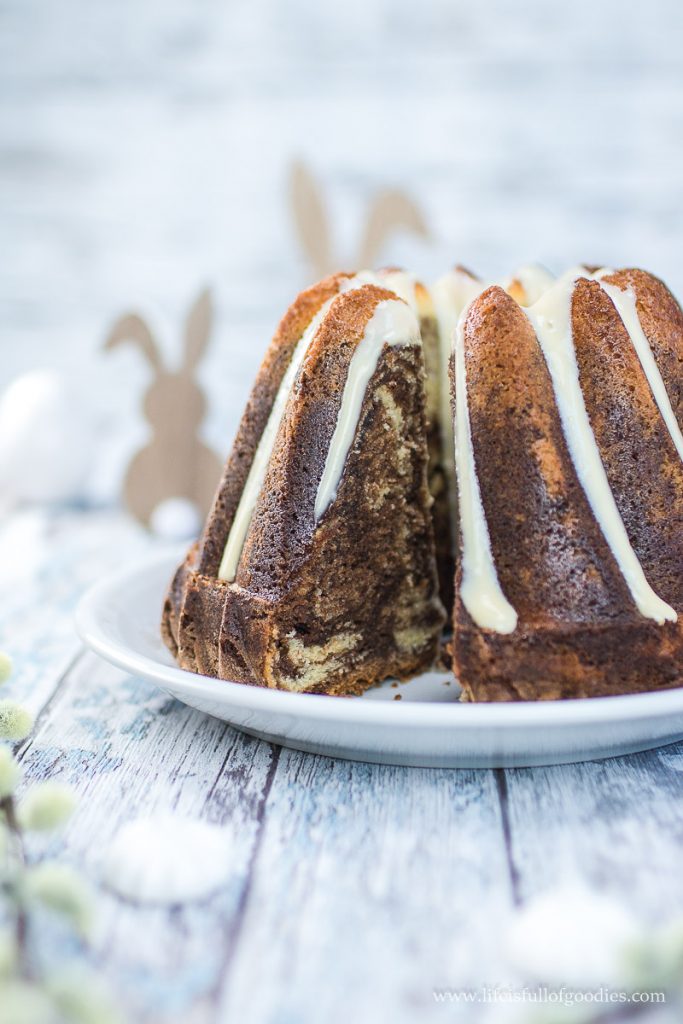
<point x="46" y="806"/>
<point x="572" y="936"/>
<point x="175" y="519"/>
<point x="167" y="859"/>
<point x="61" y="888"/>
<point x="46" y="439"/>
<point x="16" y="721"/>
<point x="5" y="667"/>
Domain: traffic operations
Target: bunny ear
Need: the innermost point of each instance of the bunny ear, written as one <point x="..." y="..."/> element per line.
<point x="198" y="329"/>
<point x="132" y="327"/>
<point x="310" y="219"/>
<point x="389" y="211"/>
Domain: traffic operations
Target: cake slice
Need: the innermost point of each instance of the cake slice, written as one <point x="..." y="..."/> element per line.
<point x="437" y="411"/>
<point x="316" y="571"/>
<point x="567" y="421"/>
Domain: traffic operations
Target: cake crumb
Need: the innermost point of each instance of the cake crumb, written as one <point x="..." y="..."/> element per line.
<point x="398" y="696"/>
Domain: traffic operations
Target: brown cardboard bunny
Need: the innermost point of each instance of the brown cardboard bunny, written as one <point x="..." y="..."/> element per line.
<point x="389" y="211"/>
<point x="175" y="463"/>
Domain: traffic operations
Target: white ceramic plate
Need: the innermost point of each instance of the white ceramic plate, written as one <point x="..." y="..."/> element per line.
<point x="119" y="619"/>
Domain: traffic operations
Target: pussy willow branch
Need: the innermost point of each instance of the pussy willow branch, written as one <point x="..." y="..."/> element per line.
<point x="8" y="806"/>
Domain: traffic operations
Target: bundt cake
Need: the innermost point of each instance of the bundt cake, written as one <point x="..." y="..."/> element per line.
<point x="506" y="457"/>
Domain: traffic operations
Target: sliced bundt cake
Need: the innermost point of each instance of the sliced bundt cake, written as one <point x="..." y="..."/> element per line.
<point x="536" y="470"/>
<point x="316" y="569"/>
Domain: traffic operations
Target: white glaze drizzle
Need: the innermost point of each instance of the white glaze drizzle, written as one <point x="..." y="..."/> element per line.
<point x="393" y="322"/>
<point x="450" y="294"/>
<point x="624" y="301"/>
<point x="550" y="314"/>
<point x="550" y="317"/>
<point x="259" y="465"/>
<point x="402" y="282"/>
<point x="480" y="589"/>
<point x="534" y="279"/>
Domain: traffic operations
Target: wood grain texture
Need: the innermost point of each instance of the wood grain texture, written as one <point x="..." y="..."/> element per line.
<point x="374" y="884"/>
<point x="99" y="737"/>
<point x="614" y="826"/>
<point x="47" y="560"/>
<point x="354" y="889"/>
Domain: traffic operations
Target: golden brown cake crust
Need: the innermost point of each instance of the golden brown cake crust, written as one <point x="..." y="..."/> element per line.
<point x="661" y="318"/>
<point x="552" y="560"/>
<point x="196" y="580"/>
<point x="255" y="417"/>
<point x="644" y="469"/>
<point x="555" y="664"/>
<point x="579" y="632"/>
<point x="339" y="605"/>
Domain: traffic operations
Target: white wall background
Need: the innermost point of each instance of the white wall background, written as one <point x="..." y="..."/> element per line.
<point x="145" y="147"/>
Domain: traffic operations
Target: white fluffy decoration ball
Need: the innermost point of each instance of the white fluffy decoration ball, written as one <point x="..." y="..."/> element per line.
<point x="572" y="936"/>
<point x="175" y="519"/>
<point x="168" y="859"/>
<point x="46" y="439"/>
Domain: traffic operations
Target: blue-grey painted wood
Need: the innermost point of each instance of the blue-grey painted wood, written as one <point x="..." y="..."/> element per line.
<point x="131" y="751"/>
<point x="613" y="826"/>
<point x="47" y="559"/>
<point x="355" y="889"/>
<point x="374" y="884"/>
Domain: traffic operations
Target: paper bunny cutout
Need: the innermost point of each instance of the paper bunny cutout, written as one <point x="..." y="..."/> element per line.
<point x="389" y="212"/>
<point x="175" y="463"/>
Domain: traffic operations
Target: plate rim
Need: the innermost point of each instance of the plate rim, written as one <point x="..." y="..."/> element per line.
<point x="394" y="714"/>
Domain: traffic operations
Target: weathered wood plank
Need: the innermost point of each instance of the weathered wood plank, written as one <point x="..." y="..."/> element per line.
<point x="130" y="750"/>
<point x="614" y="826"/>
<point x="355" y="889"/>
<point x="373" y="885"/>
<point x="353" y="885"/>
<point x="47" y="560"/>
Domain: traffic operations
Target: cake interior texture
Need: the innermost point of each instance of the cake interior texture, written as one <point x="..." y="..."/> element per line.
<point x="491" y="470"/>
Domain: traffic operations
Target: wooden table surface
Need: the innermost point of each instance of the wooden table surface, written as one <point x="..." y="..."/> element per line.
<point x="356" y="889"/>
